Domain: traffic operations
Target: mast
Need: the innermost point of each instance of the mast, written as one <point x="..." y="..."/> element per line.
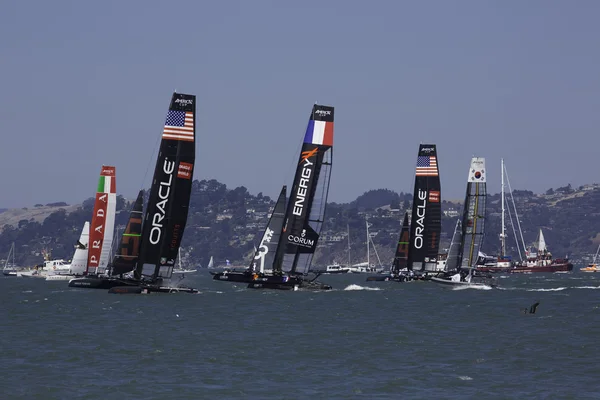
<point x="168" y="203"/>
<point x="503" y="231"/>
<point x="265" y="253"/>
<point x="368" y="240"/>
<point x="306" y="209"/>
<point x="426" y="219"/>
<point x="348" y="230"/>
<point x="103" y="222"/>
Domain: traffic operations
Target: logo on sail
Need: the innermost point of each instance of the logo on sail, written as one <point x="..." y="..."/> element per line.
<point x="420" y="220"/>
<point x="164" y="190"/>
<point x="323" y="113"/>
<point x="305" y="176"/>
<point x="184" y="102"/>
<point x="434" y="196"/>
<point x="301" y="240"/>
<point x="185" y="170"/>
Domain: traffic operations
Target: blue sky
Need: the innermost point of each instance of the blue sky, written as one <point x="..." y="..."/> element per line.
<point x="88" y="83"/>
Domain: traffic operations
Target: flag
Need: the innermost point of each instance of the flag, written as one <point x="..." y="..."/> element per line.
<point x="179" y="126"/>
<point x="427" y="166"/>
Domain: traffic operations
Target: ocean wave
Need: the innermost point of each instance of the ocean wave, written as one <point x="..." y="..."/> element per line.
<point x="558" y="289"/>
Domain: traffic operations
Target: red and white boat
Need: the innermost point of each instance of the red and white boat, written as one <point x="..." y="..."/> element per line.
<point x="540" y="260"/>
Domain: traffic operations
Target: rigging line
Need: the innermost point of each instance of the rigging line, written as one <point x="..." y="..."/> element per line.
<point x="154" y="153"/>
<point x="516" y="214"/>
<point x="512" y="224"/>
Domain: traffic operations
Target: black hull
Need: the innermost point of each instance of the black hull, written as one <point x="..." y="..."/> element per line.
<point x="232" y="276"/>
<point x="101" y="282"/>
<point x="286" y="283"/>
<point x="388" y="278"/>
<point x="145" y="289"/>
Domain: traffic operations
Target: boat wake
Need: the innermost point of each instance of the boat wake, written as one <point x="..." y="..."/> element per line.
<point x="358" y="287"/>
<point x="478" y="287"/>
<point x="558" y="289"/>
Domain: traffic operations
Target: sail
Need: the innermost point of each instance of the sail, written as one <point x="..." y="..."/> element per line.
<point x="129" y="249"/>
<point x="103" y="222"/>
<point x="79" y="262"/>
<point x="473" y="220"/>
<point x="265" y="254"/>
<point x="169" y="200"/>
<point x="541" y="243"/>
<point x="453" y="259"/>
<point x="211" y="263"/>
<point x="402" y="249"/>
<point x="426" y="219"/>
<point x="305" y="210"/>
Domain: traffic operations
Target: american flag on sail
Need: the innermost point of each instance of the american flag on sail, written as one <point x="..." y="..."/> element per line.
<point x="427" y="166"/>
<point x="179" y="126"/>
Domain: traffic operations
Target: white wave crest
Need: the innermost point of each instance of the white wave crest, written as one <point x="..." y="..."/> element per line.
<point x="465" y="378"/>
<point x="558" y="289"/>
<point x="358" y="287"/>
<point x="478" y="287"/>
<point x="586" y="287"/>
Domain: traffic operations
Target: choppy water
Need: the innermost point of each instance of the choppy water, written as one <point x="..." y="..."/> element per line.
<point x="380" y="340"/>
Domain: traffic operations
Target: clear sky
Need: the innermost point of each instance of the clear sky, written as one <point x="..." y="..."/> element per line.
<point x="88" y="83"/>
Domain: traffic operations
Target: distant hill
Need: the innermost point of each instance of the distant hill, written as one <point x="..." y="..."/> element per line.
<point x="224" y="223"/>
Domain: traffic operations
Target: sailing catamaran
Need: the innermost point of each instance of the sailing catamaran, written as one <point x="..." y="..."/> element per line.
<point x="265" y="253"/>
<point x="305" y="211"/>
<point x="472" y="228"/>
<point x="151" y="254"/>
<point x="398" y="271"/>
<point x="100" y="236"/>
<point x="426" y="219"/>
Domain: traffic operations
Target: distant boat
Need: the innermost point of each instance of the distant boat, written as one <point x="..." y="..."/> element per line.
<point x="460" y="265"/>
<point x="334" y="268"/>
<point x="264" y="255"/>
<point x="180" y="269"/>
<point x="593" y="267"/>
<point x="11" y="269"/>
<point x="305" y="211"/>
<point x="367" y="267"/>
<point x="539" y="259"/>
<point x="426" y="225"/>
<point x="80" y="257"/>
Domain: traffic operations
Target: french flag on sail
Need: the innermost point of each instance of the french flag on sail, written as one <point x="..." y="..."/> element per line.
<point x="319" y="132"/>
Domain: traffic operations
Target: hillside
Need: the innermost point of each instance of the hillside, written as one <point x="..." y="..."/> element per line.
<point x="224" y="222"/>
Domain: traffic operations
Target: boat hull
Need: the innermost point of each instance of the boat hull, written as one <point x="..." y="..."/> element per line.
<point x="563" y="267"/>
<point x="232" y="276"/>
<point x="388" y="278"/>
<point x="93" y="282"/>
<point x="493" y="270"/>
<point x="284" y="282"/>
<point x="145" y="289"/>
<point x="448" y="282"/>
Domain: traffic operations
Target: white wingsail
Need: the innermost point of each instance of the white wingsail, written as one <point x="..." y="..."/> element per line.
<point x="79" y="261"/>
